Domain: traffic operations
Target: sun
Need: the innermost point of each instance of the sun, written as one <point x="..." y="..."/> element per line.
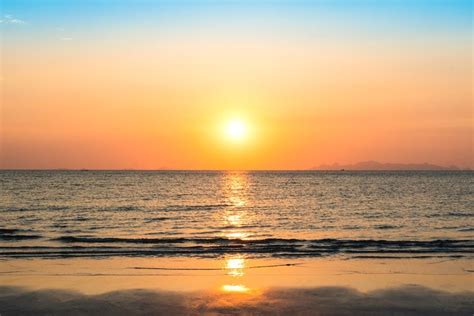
<point x="236" y="129"/>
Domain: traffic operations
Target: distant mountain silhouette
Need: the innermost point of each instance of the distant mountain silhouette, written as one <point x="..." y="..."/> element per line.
<point x="375" y="165"/>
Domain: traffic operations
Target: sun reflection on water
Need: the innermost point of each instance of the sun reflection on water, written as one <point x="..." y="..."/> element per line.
<point x="237" y="186"/>
<point x="234" y="219"/>
<point x="235" y="216"/>
<point x="237" y="235"/>
<point x="235" y="288"/>
<point x="235" y="266"/>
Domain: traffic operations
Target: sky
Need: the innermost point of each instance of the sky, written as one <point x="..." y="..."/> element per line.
<point x="115" y="84"/>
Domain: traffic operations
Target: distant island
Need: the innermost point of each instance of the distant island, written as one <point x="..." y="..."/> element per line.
<point x="375" y="165"/>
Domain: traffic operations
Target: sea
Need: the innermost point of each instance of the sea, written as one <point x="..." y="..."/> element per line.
<point x="256" y="214"/>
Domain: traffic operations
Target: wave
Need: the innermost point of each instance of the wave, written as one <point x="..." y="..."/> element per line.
<point x="122" y="208"/>
<point x="452" y="214"/>
<point x="199" y="207"/>
<point x="19" y="237"/>
<point x="386" y="226"/>
<point x="327" y="241"/>
<point x="9" y="230"/>
<point x="156" y="219"/>
<point x="14" y="234"/>
<point x="467" y="229"/>
<point x="213" y="247"/>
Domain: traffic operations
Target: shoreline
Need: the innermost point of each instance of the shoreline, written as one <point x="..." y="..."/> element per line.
<point x="100" y="275"/>
<point x="236" y="285"/>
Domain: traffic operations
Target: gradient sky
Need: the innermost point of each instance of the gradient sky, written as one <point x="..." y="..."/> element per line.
<point x="151" y="84"/>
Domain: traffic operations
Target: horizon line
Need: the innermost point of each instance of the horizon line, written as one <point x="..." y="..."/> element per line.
<point x="228" y="170"/>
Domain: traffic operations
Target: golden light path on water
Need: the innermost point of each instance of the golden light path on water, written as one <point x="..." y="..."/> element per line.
<point x="236" y="185"/>
<point x="235" y="288"/>
<point x="235" y="268"/>
<point x="235" y="216"/>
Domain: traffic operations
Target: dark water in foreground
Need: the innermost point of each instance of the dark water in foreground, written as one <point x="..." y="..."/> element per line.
<point x="262" y="214"/>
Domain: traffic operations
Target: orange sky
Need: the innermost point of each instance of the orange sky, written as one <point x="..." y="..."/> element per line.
<point x="149" y="96"/>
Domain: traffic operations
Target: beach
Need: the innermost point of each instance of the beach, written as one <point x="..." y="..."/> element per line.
<point x="131" y="242"/>
<point x="236" y="286"/>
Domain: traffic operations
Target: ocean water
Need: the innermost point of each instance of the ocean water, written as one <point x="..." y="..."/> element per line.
<point x="254" y="214"/>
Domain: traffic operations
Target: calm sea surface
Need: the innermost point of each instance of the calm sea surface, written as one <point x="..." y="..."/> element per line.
<point x="211" y="214"/>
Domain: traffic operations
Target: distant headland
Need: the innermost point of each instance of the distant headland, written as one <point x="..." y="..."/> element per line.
<point x="375" y="165"/>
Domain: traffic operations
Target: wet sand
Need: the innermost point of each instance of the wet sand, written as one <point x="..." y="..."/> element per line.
<point x="236" y="285"/>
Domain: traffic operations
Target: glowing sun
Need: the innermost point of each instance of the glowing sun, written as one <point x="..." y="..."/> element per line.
<point x="236" y="129"/>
